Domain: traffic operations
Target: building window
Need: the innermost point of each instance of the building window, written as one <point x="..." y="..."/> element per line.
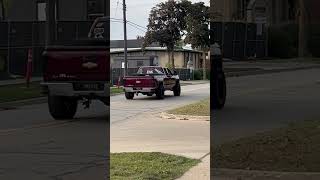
<point x="139" y="63"/>
<point x="41" y="11"/>
<point x="95" y="8"/>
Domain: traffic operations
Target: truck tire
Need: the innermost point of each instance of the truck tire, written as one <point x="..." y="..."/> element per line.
<point x="160" y="92"/>
<point x="61" y="107"/>
<point x="129" y="95"/>
<point x="177" y="89"/>
<point x="220" y="92"/>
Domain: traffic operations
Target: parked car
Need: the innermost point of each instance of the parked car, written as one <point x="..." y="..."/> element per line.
<point x="77" y="72"/>
<point x="150" y="80"/>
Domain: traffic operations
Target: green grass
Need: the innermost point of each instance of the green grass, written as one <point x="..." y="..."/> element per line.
<point x="294" y="148"/>
<point x="116" y="90"/>
<point x="149" y="166"/>
<point x="201" y="108"/>
<point x="19" y="92"/>
<point x="293" y="60"/>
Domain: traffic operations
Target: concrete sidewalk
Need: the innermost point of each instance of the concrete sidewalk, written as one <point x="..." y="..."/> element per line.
<point x="199" y="172"/>
<point x="18" y="81"/>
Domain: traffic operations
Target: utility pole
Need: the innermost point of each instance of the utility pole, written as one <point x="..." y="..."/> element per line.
<point x="50" y="22"/>
<point x="302" y="34"/>
<point x="125" y="38"/>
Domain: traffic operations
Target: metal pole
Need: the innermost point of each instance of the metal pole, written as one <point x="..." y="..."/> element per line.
<point x="125" y="38"/>
<point x="50" y="22"/>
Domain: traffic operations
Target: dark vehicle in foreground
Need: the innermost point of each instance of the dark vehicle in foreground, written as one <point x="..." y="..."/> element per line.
<point x="77" y="72"/>
<point x="218" y="79"/>
<point x="150" y="80"/>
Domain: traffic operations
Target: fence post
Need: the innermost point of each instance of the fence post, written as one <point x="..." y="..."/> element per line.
<point x="29" y="67"/>
<point x="9" y="44"/>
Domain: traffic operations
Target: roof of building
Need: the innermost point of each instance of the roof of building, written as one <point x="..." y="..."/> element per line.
<point x="131" y="43"/>
<point x="121" y="50"/>
<point x="135" y="45"/>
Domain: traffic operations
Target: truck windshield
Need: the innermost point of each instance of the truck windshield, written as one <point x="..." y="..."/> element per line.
<point x="97" y="30"/>
<point x="150" y="70"/>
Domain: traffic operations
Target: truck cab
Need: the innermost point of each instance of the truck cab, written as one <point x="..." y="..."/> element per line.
<point x="78" y="72"/>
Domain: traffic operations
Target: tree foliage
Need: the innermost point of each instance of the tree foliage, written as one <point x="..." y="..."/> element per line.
<point x="171" y="21"/>
<point x="197" y="26"/>
<point x="166" y="25"/>
<point x="4" y="8"/>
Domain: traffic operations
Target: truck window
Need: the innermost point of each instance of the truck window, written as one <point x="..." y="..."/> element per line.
<point x="99" y="29"/>
<point x="150" y="70"/>
<point x="170" y="72"/>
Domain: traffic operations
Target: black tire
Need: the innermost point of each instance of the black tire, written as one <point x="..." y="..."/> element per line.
<point x="62" y="108"/>
<point x="129" y="95"/>
<point x="177" y="89"/>
<point x="150" y="94"/>
<point x="160" y="92"/>
<point x="220" y="92"/>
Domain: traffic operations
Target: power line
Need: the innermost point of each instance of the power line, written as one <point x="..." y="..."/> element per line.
<point x="117" y="8"/>
<point x="140" y="26"/>
<point x="132" y="25"/>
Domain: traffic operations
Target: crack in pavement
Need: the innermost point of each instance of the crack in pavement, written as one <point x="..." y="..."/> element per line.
<point x="92" y="164"/>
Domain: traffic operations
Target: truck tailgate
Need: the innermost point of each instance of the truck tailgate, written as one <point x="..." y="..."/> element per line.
<point x="139" y="81"/>
<point x="76" y="64"/>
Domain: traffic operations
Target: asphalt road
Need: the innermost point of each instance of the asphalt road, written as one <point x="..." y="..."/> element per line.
<point x="34" y="146"/>
<point x="263" y="102"/>
<point x="136" y="124"/>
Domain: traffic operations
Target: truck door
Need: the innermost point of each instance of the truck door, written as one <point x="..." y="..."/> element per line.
<point x="166" y="80"/>
<point x="171" y="81"/>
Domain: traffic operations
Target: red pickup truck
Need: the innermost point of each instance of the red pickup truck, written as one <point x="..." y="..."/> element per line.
<point x="79" y="72"/>
<point x="151" y="80"/>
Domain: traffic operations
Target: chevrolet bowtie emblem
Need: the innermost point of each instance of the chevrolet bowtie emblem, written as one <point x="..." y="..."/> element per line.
<point x="89" y="65"/>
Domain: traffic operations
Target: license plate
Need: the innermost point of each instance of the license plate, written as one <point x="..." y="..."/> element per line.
<point x="137" y="88"/>
<point x="89" y="86"/>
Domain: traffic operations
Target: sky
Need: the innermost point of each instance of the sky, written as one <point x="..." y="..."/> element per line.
<point x="137" y="12"/>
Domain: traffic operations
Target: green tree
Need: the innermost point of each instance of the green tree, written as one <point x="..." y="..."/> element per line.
<point x="4" y="8"/>
<point x="166" y="26"/>
<point x="197" y="29"/>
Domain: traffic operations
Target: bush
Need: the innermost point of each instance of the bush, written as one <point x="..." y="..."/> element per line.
<point x="283" y="41"/>
<point x="198" y="74"/>
<point x="2" y="63"/>
<point x="314" y="42"/>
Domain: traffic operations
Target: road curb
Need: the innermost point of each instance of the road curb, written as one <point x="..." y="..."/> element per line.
<point x="234" y="174"/>
<point x="166" y="115"/>
<point x="32" y="101"/>
<point x="258" y="72"/>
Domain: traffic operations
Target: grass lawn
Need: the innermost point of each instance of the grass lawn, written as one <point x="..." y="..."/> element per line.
<point x="116" y="90"/>
<point x="201" y="108"/>
<point x="147" y="166"/>
<point x="294" y="148"/>
<point x="19" y="92"/>
<point x="294" y="60"/>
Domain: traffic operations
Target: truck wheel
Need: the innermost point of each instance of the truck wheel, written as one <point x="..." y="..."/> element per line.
<point x="177" y="89"/>
<point x="220" y="92"/>
<point x="129" y="95"/>
<point x="160" y="92"/>
<point x="62" y="107"/>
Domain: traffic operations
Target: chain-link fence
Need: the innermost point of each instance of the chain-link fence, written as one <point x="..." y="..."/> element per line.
<point x="16" y="38"/>
<point x="117" y="74"/>
<point x="240" y="40"/>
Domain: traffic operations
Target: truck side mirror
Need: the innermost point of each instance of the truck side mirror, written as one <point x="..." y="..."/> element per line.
<point x="175" y="72"/>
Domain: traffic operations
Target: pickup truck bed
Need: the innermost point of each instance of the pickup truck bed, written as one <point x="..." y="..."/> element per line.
<point x="151" y="83"/>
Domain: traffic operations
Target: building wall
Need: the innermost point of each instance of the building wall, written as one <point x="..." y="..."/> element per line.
<point x="276" y="11"/>
<point x="162" y="56"/>
<point x="68" y="10"/>
<point x="22" y="10"/>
